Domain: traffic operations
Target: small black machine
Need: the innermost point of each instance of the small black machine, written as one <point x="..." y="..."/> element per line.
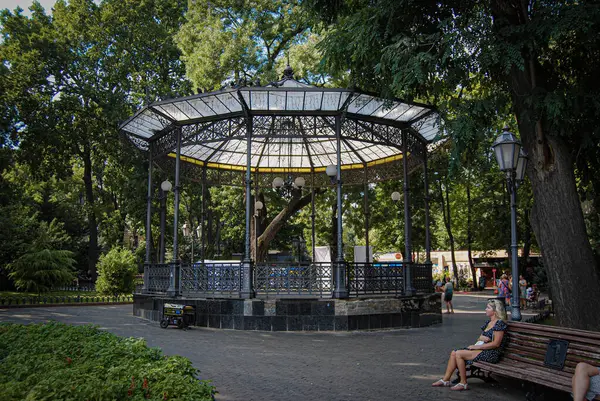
<point x="178" y="315"/>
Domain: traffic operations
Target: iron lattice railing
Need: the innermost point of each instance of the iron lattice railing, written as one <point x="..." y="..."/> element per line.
<point x="300" y="279"/>
<point x="158" y="277"/>
<point x="211" y="278"/>
<point x="422" y="277"/>
<point x="288" y="279"/>
<point x="375" y="278"/>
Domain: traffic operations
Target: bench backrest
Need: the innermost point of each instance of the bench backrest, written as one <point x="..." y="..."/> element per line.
<point x="528" y="344"/>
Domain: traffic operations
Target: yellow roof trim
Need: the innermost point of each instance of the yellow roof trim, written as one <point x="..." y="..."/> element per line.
<point x="231" y="167"/>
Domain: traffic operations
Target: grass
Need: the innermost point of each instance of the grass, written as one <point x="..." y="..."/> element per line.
<point x="51" y="294"/>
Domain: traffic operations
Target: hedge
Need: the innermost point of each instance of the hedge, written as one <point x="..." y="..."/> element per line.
<point x="55" y="361"/>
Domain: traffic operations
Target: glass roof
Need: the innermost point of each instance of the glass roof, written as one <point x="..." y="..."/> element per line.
<point x="293" y="125"/>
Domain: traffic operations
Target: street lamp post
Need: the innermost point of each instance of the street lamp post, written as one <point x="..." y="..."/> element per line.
<point x="165" y="188"/>
<point x="339" y="274"/>
<point x="396" y="196"/>
<point x="188" y="233"/>
<point x="258" y="206"/>
<point x="513" y="162"/>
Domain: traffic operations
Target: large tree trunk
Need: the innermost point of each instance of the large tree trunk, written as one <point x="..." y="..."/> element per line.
<point x="470" y="236"/>
<point x="448" y="224"/>
<point x="557" y="217"/>
<point x="296" y="203"/>
<point x="91" y="213"/>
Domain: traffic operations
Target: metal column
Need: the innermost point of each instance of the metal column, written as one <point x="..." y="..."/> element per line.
<point x="247" y="290"/>
<point x="312" y="213"/>
<point x="148" y="221"/>
<point x="515" y="313"/>
<point x="427" y="199"/>
<point x="409" y="290"/>
<point x="163" y="217"/>
<point x="340" y="290"/>
<point x="367" y="215"/>
<point x="173" y="289"/>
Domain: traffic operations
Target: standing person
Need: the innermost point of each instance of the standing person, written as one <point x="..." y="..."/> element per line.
<point x="586" y="382"/>
<point x="448" y="292"/>
<point x="504" y="289"/>
<point x="488" y="347"/>
<point x="523" y="291"/>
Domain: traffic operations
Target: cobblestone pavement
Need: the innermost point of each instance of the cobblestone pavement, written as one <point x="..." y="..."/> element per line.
<point x="380" y="365"/>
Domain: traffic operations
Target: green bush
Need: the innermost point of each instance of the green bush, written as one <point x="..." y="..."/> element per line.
<point x="116" y="272"/>
<point x="59" y="362"/>
<point x="44" y="265"/>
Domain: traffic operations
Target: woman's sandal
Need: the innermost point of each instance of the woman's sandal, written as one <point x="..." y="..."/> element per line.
<point x="459" y="387"/>
<point x="441" y="383"/>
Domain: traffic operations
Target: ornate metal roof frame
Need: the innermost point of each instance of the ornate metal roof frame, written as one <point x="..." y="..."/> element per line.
<point x="292" y="132"/>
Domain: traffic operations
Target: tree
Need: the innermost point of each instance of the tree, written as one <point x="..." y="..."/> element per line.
<point x="44" y="265"/>
<point x="231" y="40"/>
<point x="72" y="77"/>
<point x="534" y="57"/>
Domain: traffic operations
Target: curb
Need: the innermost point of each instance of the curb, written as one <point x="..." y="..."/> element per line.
<point x="64" y="304"/>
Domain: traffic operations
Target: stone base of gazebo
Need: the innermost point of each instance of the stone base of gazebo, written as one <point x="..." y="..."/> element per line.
<point x="302" y="314"/>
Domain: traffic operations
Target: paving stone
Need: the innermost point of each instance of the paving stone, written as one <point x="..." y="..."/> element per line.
<point x="382" y="365"/>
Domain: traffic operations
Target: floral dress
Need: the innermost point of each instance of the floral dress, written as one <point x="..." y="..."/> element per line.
<point x="491" y="355"/>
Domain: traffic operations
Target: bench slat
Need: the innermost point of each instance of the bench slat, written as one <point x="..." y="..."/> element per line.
<point x="524" y="371"/>
<point x="532" y="342"/>
<point x="568" y="372"/>
<point x="525" y="354"/>
<point x="562" y="336"/>
<point x="552" y="330"/>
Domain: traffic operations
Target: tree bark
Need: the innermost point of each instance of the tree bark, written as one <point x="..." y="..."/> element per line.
<point x="296" y="203"/>
<point x="448" y="224"/>
<point x="557" y="216"/>
<point x="92" y="224"/>
<point x="470" y="235"/>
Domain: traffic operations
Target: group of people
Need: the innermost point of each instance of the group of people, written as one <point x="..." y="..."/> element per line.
<point x="526" y="292"/>
<point x="489" y="347"/>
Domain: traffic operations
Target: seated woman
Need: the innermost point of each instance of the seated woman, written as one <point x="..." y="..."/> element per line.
<point x="586" y="382"/>
<point x="488" y="347"/>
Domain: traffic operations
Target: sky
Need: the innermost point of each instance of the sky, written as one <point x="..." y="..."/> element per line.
<point x="24" y="4"/>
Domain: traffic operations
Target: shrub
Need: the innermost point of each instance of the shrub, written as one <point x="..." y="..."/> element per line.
<point x="44" y="265"/>
<point x="39" y="271"/>
<point x="116" y="272"/>
<point x="59" y="362"/>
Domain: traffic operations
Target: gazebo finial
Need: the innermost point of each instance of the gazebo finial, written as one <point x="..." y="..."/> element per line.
<point x="288" y="73"/>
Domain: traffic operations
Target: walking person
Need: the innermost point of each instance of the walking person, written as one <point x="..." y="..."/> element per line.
<point x="448" y="292"/>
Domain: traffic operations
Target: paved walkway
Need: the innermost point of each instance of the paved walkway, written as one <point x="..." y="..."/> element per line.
<point x="330" y="366"/>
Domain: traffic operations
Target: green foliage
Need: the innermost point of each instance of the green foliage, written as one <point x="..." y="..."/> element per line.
<point x="44" y="265"/>
<point x="238" y="40"/>
<point x="116" y="272"/>
<point x="56" y="361"/>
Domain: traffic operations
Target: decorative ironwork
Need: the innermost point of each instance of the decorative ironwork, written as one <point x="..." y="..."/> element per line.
<point x="375" y="278"/>
<point x="159" y="275"/>
<point x="211" y="278"/>
<point x="298" y="279"/>
<point x="422" y="277"/>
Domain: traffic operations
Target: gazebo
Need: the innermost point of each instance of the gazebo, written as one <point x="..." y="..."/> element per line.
<point x="251" y="135"/>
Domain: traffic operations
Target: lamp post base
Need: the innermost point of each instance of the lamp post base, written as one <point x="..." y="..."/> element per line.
<point x="515" y="313"/>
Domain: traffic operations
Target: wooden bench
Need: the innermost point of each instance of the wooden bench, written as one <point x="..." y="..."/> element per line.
<point x="526" y="352"/>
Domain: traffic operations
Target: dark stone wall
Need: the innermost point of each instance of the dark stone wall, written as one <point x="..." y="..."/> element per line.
<point x="302" y="314"/>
